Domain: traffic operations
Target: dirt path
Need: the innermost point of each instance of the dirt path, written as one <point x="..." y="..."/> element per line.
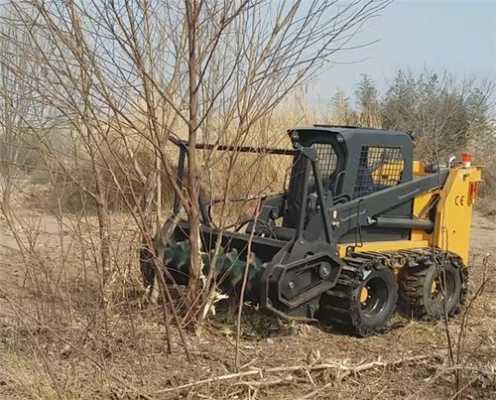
<point x="483" y="236"/>
<point x="43" y="229"/>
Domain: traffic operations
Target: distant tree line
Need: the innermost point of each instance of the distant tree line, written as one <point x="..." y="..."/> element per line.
<point x="447" y="115"/>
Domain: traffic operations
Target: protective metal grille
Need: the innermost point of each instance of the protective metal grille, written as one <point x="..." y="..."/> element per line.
<point x="327" y="161"/>
<point x="379" y="168"/>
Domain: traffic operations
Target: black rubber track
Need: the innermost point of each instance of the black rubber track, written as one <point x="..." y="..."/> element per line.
<point x="416" y="280"/>
<point x="340" y="306"/>
<point x="336" y="305"/>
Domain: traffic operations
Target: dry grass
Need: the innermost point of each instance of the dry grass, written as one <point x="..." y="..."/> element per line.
<point x="65" y="173"/>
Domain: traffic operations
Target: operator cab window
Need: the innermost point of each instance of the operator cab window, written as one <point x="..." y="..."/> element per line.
<point x="327" y="164"/>
<point x="379" y="168"/>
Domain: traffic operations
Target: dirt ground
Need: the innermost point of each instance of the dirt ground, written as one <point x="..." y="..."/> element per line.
<point x="52" y="349"/>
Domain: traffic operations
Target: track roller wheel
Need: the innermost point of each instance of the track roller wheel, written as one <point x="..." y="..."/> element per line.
<point x="433" y="290"/>
<point x="363" y="301"/>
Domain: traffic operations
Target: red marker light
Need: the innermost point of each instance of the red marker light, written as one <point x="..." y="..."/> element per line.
<point x="466" y="160"/>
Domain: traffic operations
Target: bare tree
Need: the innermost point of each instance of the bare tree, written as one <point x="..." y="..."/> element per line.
<point x="368" y="103"/>
<point x="17" y="104"/>
<point x="341" y="110"/>
<point x="131" y="77"/>
<point x="445" y="113"/>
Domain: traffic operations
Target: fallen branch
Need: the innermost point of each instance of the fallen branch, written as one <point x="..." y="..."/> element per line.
<point x="343" y="371"/>
<point x="271" y="382"/>
<point x="210" y="380"/>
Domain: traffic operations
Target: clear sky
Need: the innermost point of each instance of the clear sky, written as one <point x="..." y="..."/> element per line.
<point x="454" y="35"/>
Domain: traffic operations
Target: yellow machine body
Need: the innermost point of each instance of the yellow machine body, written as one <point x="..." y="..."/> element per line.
<point x="452" y="204"/>
<point x="454" y="211"/>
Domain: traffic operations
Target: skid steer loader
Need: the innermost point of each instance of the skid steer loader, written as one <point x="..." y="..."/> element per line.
<point x="361" y="231"/>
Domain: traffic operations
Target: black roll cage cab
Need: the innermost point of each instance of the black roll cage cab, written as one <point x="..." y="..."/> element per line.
<point x="348" y="144"/>
<point x="326" y="193"/>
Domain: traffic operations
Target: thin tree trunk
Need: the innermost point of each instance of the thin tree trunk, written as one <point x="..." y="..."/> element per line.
<point x="103" y="224"/>
<point x="193" y="181"/>
<point x="158" y="190"/>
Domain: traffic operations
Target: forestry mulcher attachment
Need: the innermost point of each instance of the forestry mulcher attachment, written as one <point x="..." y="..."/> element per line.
<point x="361" y="230"/>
